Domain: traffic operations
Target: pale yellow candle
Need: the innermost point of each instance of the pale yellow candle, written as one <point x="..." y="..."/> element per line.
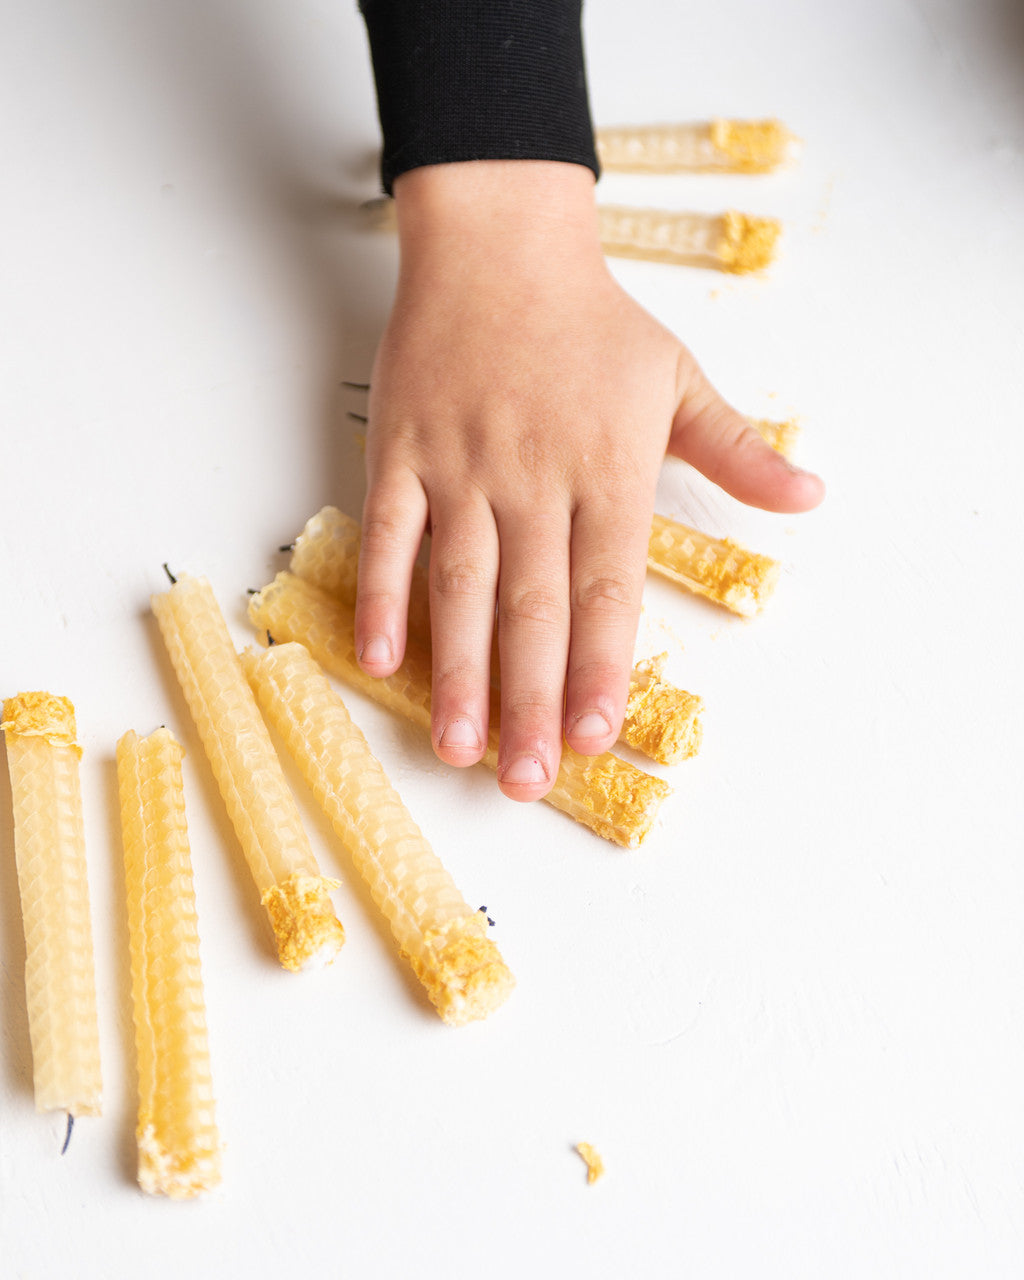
<point x="738" y="243"/>
<point x="661" y="720"/>
<point x="716" y="568"/>
<point x="179" y="1147"/>
<point x="608" y="795"/>
<point x="326" y="553"/>
<point x="442" y="936"/>
<point x="261" y="807"/>
<point x="710" y="146"/>
<point x="49" y="848"/>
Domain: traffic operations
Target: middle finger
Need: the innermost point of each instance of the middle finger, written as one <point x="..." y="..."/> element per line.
<point x="533" y="646"/>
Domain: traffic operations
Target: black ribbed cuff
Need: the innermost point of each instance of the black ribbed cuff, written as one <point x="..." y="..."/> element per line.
<point x="479" y="80"/>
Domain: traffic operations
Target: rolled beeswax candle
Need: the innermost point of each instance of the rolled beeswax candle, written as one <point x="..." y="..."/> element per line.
<point x="262" y="809"/>
<point x="606" y="794"/>
<point x="179" y="1148"/>
<point x="49" y="848"/>
<point x="712" y="146"/>
<point x="734" y="242"/>
<point x="444" y="939"/>
<point x="716" y="568"/>
<point x="661" y="720"/>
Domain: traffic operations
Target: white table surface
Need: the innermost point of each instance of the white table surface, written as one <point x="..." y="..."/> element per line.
<point x="792" y="1022"/>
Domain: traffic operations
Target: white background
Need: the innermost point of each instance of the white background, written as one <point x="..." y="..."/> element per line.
<point x="792" y="1022"/>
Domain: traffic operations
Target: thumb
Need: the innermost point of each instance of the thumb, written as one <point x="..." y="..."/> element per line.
<point x="711" y="436"/>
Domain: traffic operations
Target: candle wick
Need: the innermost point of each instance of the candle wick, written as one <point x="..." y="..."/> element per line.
<point x="288" y="546"/>
<point x="170" y="575"/>
<point x="357" y="417"/>
<point x="270" y="640"/>
<point x="357" y="386"/>
<point x="483" y="911"/>
<point x="67" y="1136"/>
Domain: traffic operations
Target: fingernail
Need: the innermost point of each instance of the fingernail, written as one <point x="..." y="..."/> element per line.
<point x="460" y="733"/>
<point x="376" y="651"/>
<point x="592" y="724"/>
<point x="526" y="771"/>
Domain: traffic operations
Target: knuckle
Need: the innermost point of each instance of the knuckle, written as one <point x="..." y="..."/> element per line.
<point x="375" y="602"/>
<point x="535" y="451"/>
<point x="603" y="593"/>
<point x="534" y="605"/>
<point x="460" y="579"/>
<point x="381" y="535"/>
<point x="599" y="676"/>
<point x="529" y="710"/>
<point x="736" y="434"/>
<point x="458" y="682"/>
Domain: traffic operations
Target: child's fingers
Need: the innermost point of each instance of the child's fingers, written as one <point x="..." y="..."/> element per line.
<point x="720" y="443"/>
<point x="463" y="585"/>
<point x="609" y="556"/>
<point x="394" y="520"/>
<point x="533" y="643"/>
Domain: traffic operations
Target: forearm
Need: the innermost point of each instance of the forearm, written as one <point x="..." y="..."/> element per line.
<point x="464" y="80"/>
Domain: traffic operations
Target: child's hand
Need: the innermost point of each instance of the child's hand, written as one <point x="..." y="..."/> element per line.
<point x="521" y="407"/>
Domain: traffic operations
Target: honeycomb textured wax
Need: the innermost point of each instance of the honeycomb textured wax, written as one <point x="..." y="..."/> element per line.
<point x="261" y="807"/>
<point x="715" y="568"/>
<point x="608" y="795"/>
<point x="326" y="553"/>
<point x="179" y="1147"/>
<point x="734" y="242"/>
<point x="444" y="939"/>
<point x="710" y="146"/>
<point x="49" y="848"/>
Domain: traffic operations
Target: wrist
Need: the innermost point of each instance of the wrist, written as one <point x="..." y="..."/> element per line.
<point x="497" y="210"/>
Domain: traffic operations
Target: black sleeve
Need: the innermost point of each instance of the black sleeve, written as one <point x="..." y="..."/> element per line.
<point x="479" y="80"/>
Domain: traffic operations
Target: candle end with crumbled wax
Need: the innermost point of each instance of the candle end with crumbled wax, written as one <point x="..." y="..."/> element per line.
<point x="309" y="935"/>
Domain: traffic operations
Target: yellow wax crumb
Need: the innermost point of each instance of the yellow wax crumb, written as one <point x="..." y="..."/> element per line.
<point x="747" y="243"/>
<point x="592" y="1159"/>
<point x="782" y="436"/>
<point x="752" y="145"/>
<point x="40" y="715"/>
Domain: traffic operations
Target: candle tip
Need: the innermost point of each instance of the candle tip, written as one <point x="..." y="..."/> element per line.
<point x="288" y="546"/>
<point x="169" y="574"/>
<point x="67" y="1136"/>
